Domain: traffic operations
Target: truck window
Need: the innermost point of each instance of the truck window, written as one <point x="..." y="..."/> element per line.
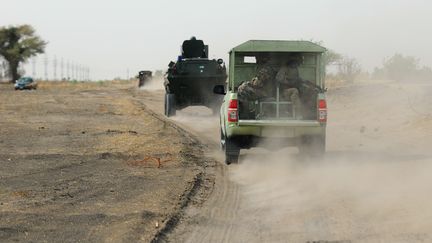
<point x="249" y="59"/>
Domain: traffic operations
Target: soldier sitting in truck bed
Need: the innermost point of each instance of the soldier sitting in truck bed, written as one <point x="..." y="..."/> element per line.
<point x="258" y="88"/>
<point x="296" y="89"/>
<point x="262" y="85"/>
<point x="288" y="79"/>
<point x="292" y="87"/>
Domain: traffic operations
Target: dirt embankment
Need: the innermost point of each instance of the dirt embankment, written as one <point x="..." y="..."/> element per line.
<point x="88" y="162"/>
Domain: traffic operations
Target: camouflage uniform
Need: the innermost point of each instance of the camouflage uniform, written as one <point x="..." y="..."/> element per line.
<point x="251" y="90"/>
<point x="259" y="87"/>
<point x="289" y="80"/>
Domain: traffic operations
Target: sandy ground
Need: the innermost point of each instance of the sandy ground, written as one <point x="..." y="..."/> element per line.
<point x="79" y="163"/>
<point x="373" y="185"/>
<point x="71" y="171"/>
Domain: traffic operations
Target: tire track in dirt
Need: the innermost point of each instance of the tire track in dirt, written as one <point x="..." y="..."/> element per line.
<point x="219" y="213"/>
<point x="203" y="183"/>
<point x="370" y="187"/>
<point x="218" y="210"/>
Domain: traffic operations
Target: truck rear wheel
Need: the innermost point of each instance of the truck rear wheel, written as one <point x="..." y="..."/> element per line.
<point x="170" y="105"/>
<point x="313" y="146"/>
<point x="232" y="151"/>
<point x="222" y="140"/>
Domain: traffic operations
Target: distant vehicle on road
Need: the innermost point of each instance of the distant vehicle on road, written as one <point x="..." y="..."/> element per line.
<point x="191" y="79"/>
<point x="144" y="77"/>
<point x="275" y="97"/>
<point x="25" y="83"/>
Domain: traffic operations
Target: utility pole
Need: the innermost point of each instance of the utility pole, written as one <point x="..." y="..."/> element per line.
<point x="73" y="70"/>
<point x="67" y="70"/>
<point x="55" y="68"/>
<point x="79" y="72"/>
<point x="76" y="71"/>
<point x="61" y="68"/>
<point x="46" y="67"/>
<point x="34" y="67"/>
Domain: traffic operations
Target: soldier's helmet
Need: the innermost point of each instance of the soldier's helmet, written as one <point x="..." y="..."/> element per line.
<point x="256" y="82"/>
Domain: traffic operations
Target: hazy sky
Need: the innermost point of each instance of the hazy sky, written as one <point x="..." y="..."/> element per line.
<point x="111" y="36"/>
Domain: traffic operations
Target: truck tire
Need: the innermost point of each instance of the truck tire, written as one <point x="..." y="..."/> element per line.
<point x="170" y="105"/>
<point x="232" y="151"/>
<point x="313" y="146"/>
<point x="222" y="140"/>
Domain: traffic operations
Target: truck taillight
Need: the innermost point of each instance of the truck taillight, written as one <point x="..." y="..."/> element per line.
<point x="233" y="104"/>
<point x="233" y="111"/>
<point x="322" y="111"/>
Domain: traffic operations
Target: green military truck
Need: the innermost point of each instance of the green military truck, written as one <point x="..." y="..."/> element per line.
<point x="274" y="120"/>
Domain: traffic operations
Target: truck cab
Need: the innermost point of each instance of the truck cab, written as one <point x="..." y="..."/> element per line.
<point x="274" y="120"/>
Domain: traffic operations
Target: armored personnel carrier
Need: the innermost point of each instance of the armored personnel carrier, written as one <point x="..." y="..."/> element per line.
<point x="144" y="77"/>
<point x="190" y="80"/>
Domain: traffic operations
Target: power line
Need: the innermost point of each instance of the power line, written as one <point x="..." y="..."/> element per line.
<point x="62" y="69"/>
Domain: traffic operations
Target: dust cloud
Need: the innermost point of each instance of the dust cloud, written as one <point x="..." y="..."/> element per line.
<point x="201" y="122"/>
<point x="154" y="84"/>
<point x="373" y="185"/>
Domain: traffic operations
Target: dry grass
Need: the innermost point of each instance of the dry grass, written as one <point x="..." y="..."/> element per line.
<point x="85" y="85"/>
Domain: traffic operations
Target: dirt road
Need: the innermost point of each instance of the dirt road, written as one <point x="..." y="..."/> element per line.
<point x="79" y="162"/>
<point x="373" y="185"/>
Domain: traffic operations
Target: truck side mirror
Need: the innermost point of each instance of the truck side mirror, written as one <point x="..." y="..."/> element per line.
<point x="219" y="89"/>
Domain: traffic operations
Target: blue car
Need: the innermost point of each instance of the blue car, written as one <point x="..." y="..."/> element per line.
<point x="25" y="83"/>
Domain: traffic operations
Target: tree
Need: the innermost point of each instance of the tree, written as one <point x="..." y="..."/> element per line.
<point x="349" y="69"/>
<point x="17" y="45"/>
<point x="402" y="68"/>
<point x="331" y="58"/>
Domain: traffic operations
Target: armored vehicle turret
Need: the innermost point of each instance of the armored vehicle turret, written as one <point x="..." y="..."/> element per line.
<point x="190" y="80"/>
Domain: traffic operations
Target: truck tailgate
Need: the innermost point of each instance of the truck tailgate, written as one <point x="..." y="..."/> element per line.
<point x="280" y="123"/>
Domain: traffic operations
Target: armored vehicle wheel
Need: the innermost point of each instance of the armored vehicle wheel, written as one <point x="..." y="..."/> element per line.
<point x="232" y="151"/>
<point x="313" y="146"/>
<point x="170" y="105"/>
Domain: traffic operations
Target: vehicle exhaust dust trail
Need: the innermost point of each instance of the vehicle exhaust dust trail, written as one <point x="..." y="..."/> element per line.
<point x="344" y="197"/>
<point x="373" y="185"/>
<point x="154" y="84"/>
